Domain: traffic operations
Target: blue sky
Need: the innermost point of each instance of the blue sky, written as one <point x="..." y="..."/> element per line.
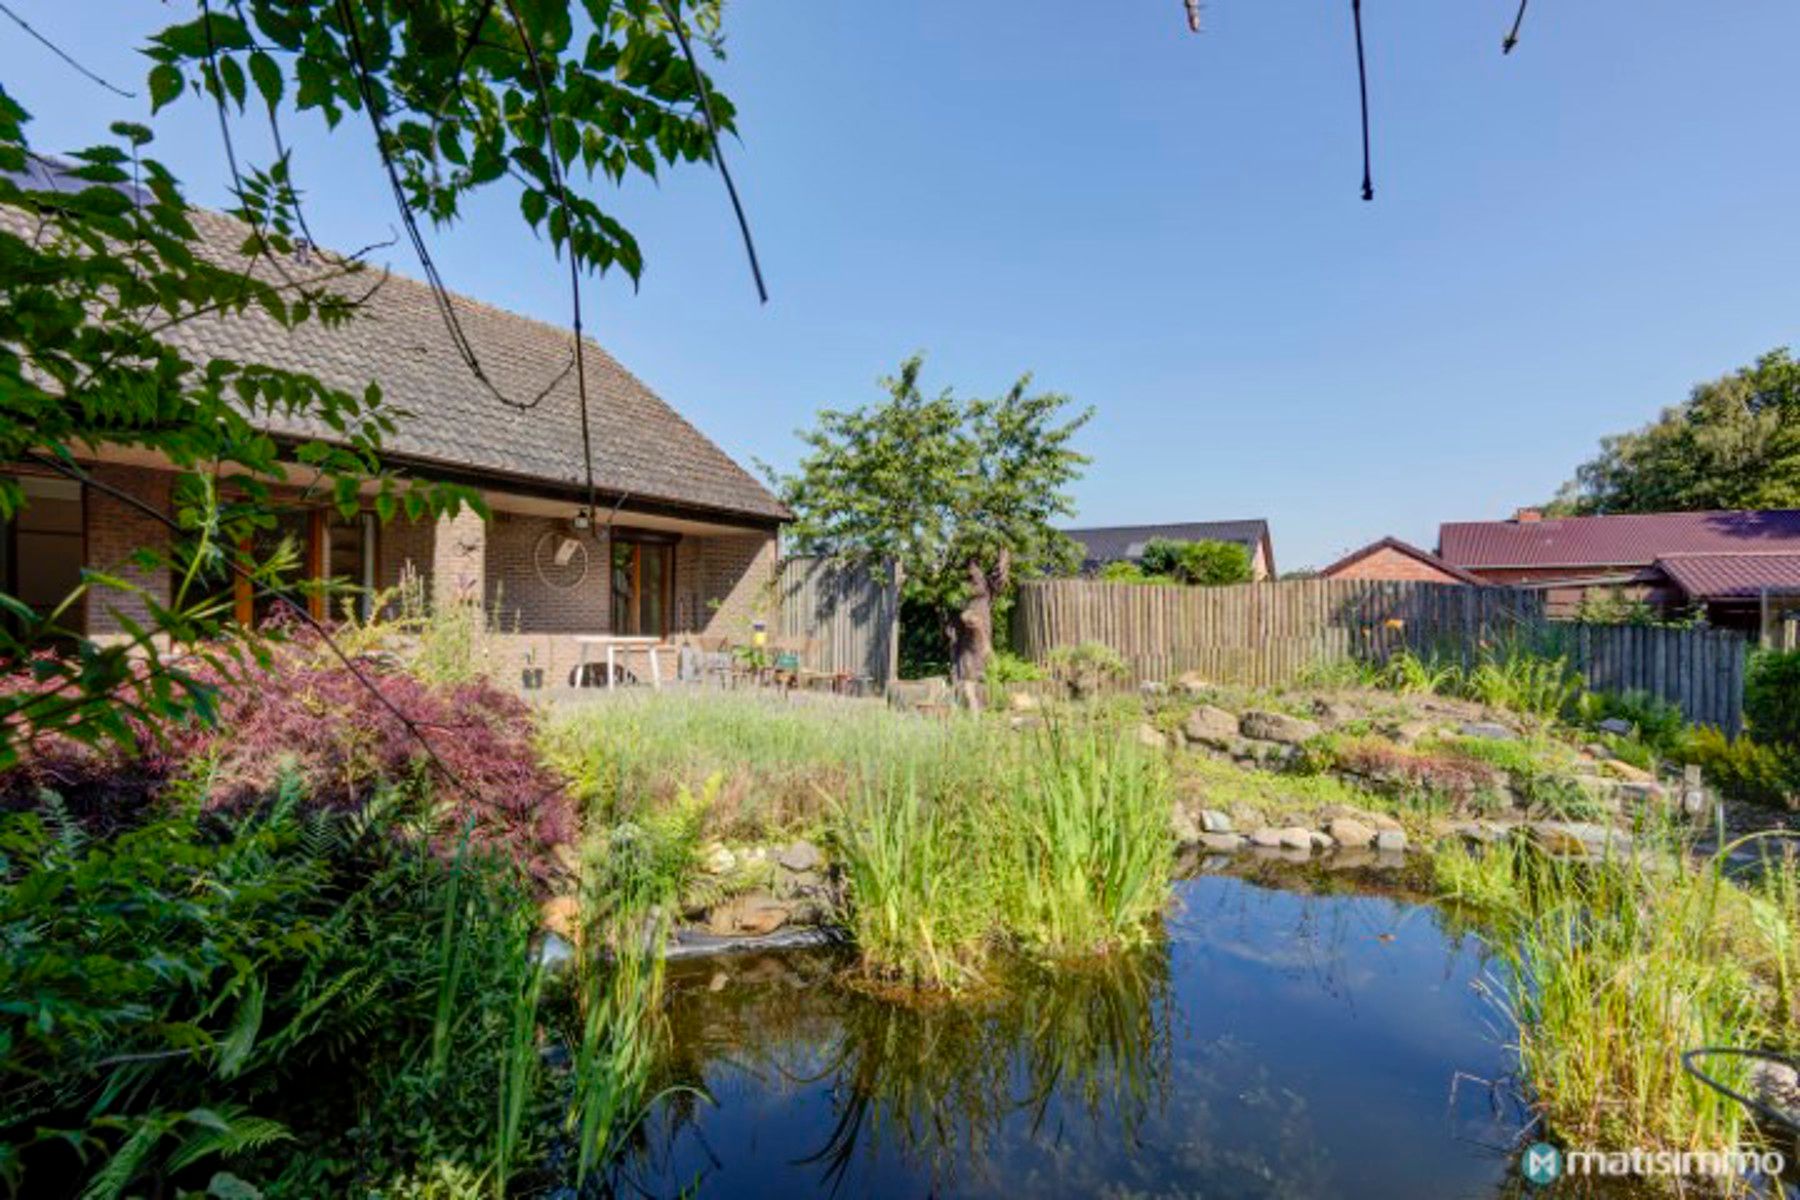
<point x="1167" y="228"/>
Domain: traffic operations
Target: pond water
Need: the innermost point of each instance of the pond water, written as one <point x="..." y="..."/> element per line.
<point x="1280" y="1042"/>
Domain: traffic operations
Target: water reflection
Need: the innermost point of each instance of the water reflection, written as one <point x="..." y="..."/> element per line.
<point x="1277" y="1044"/>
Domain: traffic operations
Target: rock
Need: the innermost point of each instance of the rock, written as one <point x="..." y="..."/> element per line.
<point x="561" y="916"/>
<point x="1489" y="729"/>
<point x="1335" y="712"/>
<point x="750" y="915"/>
<point x="1617" y="726"/>
<point x="1578" y="838"/>
<point x="1027" y="722"/>
<point x="1390" y="860"/>
<point x="1150" y="736"/>
<point x="1408" y="732"/>
<point x="1212" y="726"/>
<point x="1390" y="841"/>
<point x="1222" y="843"/>
<point x="1350" y="860"/>
<point x="1599" y="752"/>
<point x="1695" y="801"/>
<point x="801" y="856"/>
<point x="1153" y="687"/>
<point x="1643" y="793"/>
<point x="1021" y="702"/>
<point x="1214" y="821"/>
<point x="1321" y="841"/>
<point x="1350" y="833"/>
<point x="719" y="982"/>
<point x="1193" y="683"/>
<point x="1266" y="838"/>
<point x="1479" y="832"/>
<point x="718" y="860"/>
<point x="1295" y="837"/>
<point x="1267" y="726"/>
<point x="1776" y="1084"/>
<point x="1618" y="768"/>
<point x="1183" y="826"/>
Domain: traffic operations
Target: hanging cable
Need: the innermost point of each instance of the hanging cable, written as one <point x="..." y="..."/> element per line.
<point x="64" y="54"/>
<point x="1362" y="83"/>
<point x="1512" y="36"/>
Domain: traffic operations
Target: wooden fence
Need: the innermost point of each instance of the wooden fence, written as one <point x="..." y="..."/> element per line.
<point x="850" y="615"/>
<point x="1266" y="634"/>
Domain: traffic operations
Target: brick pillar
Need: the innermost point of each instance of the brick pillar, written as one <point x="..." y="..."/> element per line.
<point x="115" y="532"/>
<point x="459" y="559"/>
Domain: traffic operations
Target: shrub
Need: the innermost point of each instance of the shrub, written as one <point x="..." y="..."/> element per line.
<point x="1207" y="563"/>
<point x="1442" y="776"/>
<point x="1084" y="669"/>
<point x="1772" y="697"/>
<point x="1007" y="667"/>
<point x="1743" y="768"/>
<point x="1658" y="723"/>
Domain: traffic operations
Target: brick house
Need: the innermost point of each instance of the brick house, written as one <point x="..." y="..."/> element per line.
<point x="1125" y="543"/>
<point x="684" y="542"/>
<point x="1393" y="559"/>
<point x="1723" y="562"/>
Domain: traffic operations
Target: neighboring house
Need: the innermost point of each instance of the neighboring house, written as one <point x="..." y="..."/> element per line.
<point x="1125" y="543"/>
<point x="1392" y="559"/>
<point x="1722" y="561"/>
<point x="685" y="540"/>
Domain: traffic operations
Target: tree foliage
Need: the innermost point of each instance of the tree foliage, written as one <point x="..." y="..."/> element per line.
<point x="1733" y="444"/>
<point x="98" y="279"/>
<point x="962" y="493"/>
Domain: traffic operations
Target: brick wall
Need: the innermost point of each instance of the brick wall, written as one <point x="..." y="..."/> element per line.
<point x="521" y="600"/>
<point x="115" y="530"/>
<point x="400" y="544"/>
<point x="739" y="572"/>
<point x="1389" y="563"/>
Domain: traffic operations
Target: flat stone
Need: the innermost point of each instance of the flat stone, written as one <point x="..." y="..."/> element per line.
<point x="1617" y="726"/>
<point x="1266" y="838"/>
<point x="1214" y="821"/>
<point x="1222" y="843"/>
<point x="1321" y="841"/>
<point x="1620" y="769"/>
<point x="1489" y="729"/>
<point x="750" y="915"/>
<point x="1150" y="736"/>
<point x="1210" y="725"/>
<point x="1267" y="726"/>
<point x="1390" y="841"/>
<point x="801" y="856"/>
<point x="1350" y="833"/>
<point x="719" y="860"/>
<point x="1642" y="793"/>
<point x="1578" y="838"/>
<point x="1295" y="837"/>
<point x="1335" y="712"/>
<point x="1479" y="832"/>
<point x="1350" y="860"/>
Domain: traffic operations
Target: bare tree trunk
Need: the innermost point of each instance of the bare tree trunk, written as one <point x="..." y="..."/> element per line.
<point x="971" y="631"/>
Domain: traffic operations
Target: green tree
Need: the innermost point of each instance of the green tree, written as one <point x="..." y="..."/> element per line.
<point x="961" y="493"/>
<point x="96" y="280"/>
<point x="1207" y="562"/>
<point x="1733" y="444"/>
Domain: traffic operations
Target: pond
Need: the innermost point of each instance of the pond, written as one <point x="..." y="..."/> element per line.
<point x="1280" y="1042"/>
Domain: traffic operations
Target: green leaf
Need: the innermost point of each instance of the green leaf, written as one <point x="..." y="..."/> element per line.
<point x="226" y="1186"/>
<point x="267" y="77"/>
<point x="165" y="86"/>
<point x="533" y="204"/>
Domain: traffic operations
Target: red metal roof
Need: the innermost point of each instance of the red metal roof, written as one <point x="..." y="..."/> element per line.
<point x="1624" y="540"/>
<point x="1732" y="576"/>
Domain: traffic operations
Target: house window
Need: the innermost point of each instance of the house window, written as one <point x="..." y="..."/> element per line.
<point x="350" y="562"/>
<point x="331" y="564"/>
<point x="44" y="547"/>
<point x="643" y="585"/>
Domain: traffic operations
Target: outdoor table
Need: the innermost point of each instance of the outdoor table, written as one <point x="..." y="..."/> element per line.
<point x="612" y="644"/>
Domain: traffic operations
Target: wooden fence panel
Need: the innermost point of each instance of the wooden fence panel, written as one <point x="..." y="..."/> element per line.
<point x="849" y="614"/>
<point x="1266" y="634"/>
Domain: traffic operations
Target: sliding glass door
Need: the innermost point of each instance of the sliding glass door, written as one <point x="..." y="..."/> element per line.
<point x="643" y="587"/>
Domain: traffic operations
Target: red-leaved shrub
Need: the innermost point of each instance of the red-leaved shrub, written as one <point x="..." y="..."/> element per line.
<point x="302" y="717"/>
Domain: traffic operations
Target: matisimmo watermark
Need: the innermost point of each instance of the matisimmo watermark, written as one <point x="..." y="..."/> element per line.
<point x="1544" y="1163"/>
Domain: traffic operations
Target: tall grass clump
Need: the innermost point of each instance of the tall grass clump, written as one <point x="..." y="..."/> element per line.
<point x="1610" y="970"/>
<point x="917" y="873"/>
<point x="1082" y="863"/>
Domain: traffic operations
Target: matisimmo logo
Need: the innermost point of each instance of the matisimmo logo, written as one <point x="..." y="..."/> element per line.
<point x="1543" y="1163"/>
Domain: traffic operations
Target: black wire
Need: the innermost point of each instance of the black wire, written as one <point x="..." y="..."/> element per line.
<point x="1512" y="36"/>
<point x="441" y="297"/>
<point x="1362" y="83"/>
<point x="670" y="7"/>
<point x="1786" y="1120"/>
<point x="64" y="55"/>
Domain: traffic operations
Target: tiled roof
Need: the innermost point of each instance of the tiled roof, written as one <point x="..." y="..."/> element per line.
<point x="641" y="446"/>
<point x="1402" y="547"/>
<point x="1624" y="540"/>
<point x="1113" y="543"/>
<point x="1732" y="576"/>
